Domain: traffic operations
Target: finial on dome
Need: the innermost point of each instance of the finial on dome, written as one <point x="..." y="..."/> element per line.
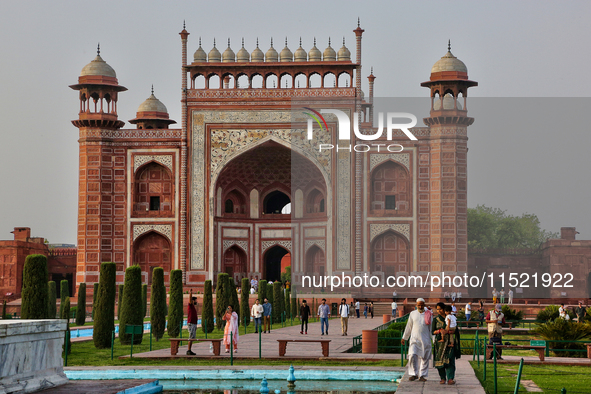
<point x="257" y="42"/>
<point x="183" y="24"/>
<point x="228" y="43"/>
<point x="199" y="41"/>
<point x="152" y="88"/>
<point x="358" y="21"/>
<point x="271" y="42"/>
<point x="300" y="41"/>
<point x="343" y="41"/>
<point x="214" y="42"/>
<point x="98" y="49"/>
<point x="371" y="70"/>
<point x="314" y="41"/>
<point x="449" y="45"/>
<point x="328" y="41"/>
<point x="242" y="42"/>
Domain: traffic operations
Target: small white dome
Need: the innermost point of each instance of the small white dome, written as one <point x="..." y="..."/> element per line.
<point x="257" y="55"/>
<point x="329" y="54"/>
<point x="243" y="55"/>
<point x="98" y="67"/>
<point x="271" y="55"/>
<point x="152" y="104"/>
<point x="314" y="55"/>
<point x="214" y="55"/>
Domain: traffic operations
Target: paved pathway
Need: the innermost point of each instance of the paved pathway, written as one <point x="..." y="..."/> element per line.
<point x="466" y="381"/>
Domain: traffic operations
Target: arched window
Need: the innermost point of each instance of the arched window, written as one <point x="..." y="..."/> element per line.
<point x="153" y="191"/>
<point x="235" y="202"/>
<point x="229" y="207"/>
<point x="315" y="202"/>
<point x="275" y="201"/>
<point x="390" y="189"/>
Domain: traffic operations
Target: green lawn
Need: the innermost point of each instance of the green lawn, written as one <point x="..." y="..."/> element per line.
<point x="550" y="378"/>
<point x="85" y="354"/>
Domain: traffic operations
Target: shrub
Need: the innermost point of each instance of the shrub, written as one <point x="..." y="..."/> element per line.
<point x="207" y="312"/>
<point x="81" y="307"/>
<point x="294" y="307"/>
<point x="550" y="313"/>
<point x="271" y="296"/>
<point x="64" y="292"/>
<point x="51" y="300"/>
<point x="222" y="298"/>
<point x="4" y="310"/>
<point x="65" y="314"/>
<point x="120" y="300"/>
<point x="278" y="303"/>
<point x="387" y="342"/>
<point x="175" y="308"/>
<point x="95" y="287"/>
<point x="158" y="303"/>
<point x="104" y="316"/>
<point x="131" y="311"/>
<point x="144" y="299"/>
<point x="262" y="290"/>
<point x="244" y="304"/>
<point x="563" y="330"/>
<point x="287" y="305"/>
<point x="512" y="315"/>
<point x="34" y="291"/>
<point x="234" y="297"/>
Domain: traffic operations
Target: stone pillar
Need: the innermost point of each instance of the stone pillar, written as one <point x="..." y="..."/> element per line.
<point x="183" y="236"/>
<point x="31" y="355"/>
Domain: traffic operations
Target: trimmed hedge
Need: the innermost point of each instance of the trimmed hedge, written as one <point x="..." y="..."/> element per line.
<point x="131" y="311"/>
<point x="222" y="298"/>
<point x="175" y="307"/>
<point x="144" y="299"/>
<point x="207" y="312"/>
<point x="262" y="290"/>
<point x="95" y="287"/>
<point x="51" y="300"/>
<point x="81" y="306"/>
<point x="65" y="314"/>
<point x="287" y="304"/>
<point x="104" y="315"/>
<point x="244" y="304"/>
<point x="120" y="300"/>
<point x="34" y="291"/>
<point x="158" y="303"/>
<point x="278" y="303"/>
<point x="64" y="293"/>
<point x="3" y="316"/>
<point x="234" y="297"/>
<point x="294" y="307"/>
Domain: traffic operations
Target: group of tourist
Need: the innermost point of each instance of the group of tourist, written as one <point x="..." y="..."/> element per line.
<point x="499" y="296"/>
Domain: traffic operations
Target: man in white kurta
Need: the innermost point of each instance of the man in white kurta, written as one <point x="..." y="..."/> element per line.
<point x="418" y="335"/>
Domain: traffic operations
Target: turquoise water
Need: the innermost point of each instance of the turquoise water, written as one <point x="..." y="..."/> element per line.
<point x="87" y="332"/>
<point x="250" y="386"/>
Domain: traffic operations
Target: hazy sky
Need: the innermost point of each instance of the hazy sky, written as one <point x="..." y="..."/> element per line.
<point x="513" y="49"/>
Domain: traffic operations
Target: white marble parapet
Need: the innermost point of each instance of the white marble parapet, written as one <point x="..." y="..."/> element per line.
<point x="31" y="355"/>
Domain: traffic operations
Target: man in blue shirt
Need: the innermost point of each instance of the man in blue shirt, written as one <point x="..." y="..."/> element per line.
<point x="267" y="316"/>
<point x="324" y="314"/>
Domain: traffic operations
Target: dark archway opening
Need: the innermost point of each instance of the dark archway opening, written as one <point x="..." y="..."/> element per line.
<point x="275" y="202"/>
<point x="273" y="258"/>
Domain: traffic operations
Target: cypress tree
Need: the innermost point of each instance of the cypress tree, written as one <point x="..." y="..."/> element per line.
<point x="104" y="316"/>
<point x="207" y="312"/>
<point x="270" y="296"/>
<point x="262" y="290"/>
<point x="234" y="298"/>
<point x="81" y="307"/>
<point x="175" y="308"/>
<point x="51" y="300"/>
<point x="222" y="298"/>
<point x="34" y="291"/>
<point x="3" y="310"/>
<point x="95" y="288"/>
<point x="277" y="304"/>
<point x="131" y="311"/>
<point x="294" y="307"/>
<point x="287" y="305"/>
<point x="244" y="304"/>
<point x="158" y="303"/>
<point x="64" y="292"/>
<point x="120" y="300"/>
<point x="144" y="299"/>
<point x="65" y="314"/>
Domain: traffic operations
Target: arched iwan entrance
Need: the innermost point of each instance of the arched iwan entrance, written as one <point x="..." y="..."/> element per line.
<point x="272" y="262"/>
<point x="152" y="250"/>
<point x="315" y="262"/>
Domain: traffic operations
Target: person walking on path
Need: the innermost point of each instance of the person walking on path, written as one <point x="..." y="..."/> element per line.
<point x="502" y="294"/>
<point x="468" y="311"/>
<point x="495" y="320"/>
<point x="324" y="314"/>
<point x="257" y="313"/>
<point x="357" y="308"/>
<point x="580" y="311"/>
<point x="267" y="309"/>
<point x="481" y="312"/>
<point x="365" y="310"/>
<point x="191" y="320"/>
<point x="418" y="335"/>
<point x="510" y="296"/>
<point x="344" y="314"/>
<point x="445" y="355"/>
<point x="394" y="308"/>
<point x="304" y="315"/>
<point x="371" y="309"/>
<point x="231" y="319"/>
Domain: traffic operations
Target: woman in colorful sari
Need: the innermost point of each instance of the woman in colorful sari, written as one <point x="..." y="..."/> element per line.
<point x="231" y="319"/>
<point x="445" y="354"/>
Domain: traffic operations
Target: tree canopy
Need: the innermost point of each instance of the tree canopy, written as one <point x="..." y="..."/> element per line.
<point x="493" y="228"/>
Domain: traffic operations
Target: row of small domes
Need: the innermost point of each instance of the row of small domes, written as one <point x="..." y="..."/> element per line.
<point x="285" y="55"/>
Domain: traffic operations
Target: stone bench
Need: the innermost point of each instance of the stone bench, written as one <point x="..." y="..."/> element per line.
<point x="540" y="349"/>
<point x="174" y="344"/>
<point x="283" y="345"/>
